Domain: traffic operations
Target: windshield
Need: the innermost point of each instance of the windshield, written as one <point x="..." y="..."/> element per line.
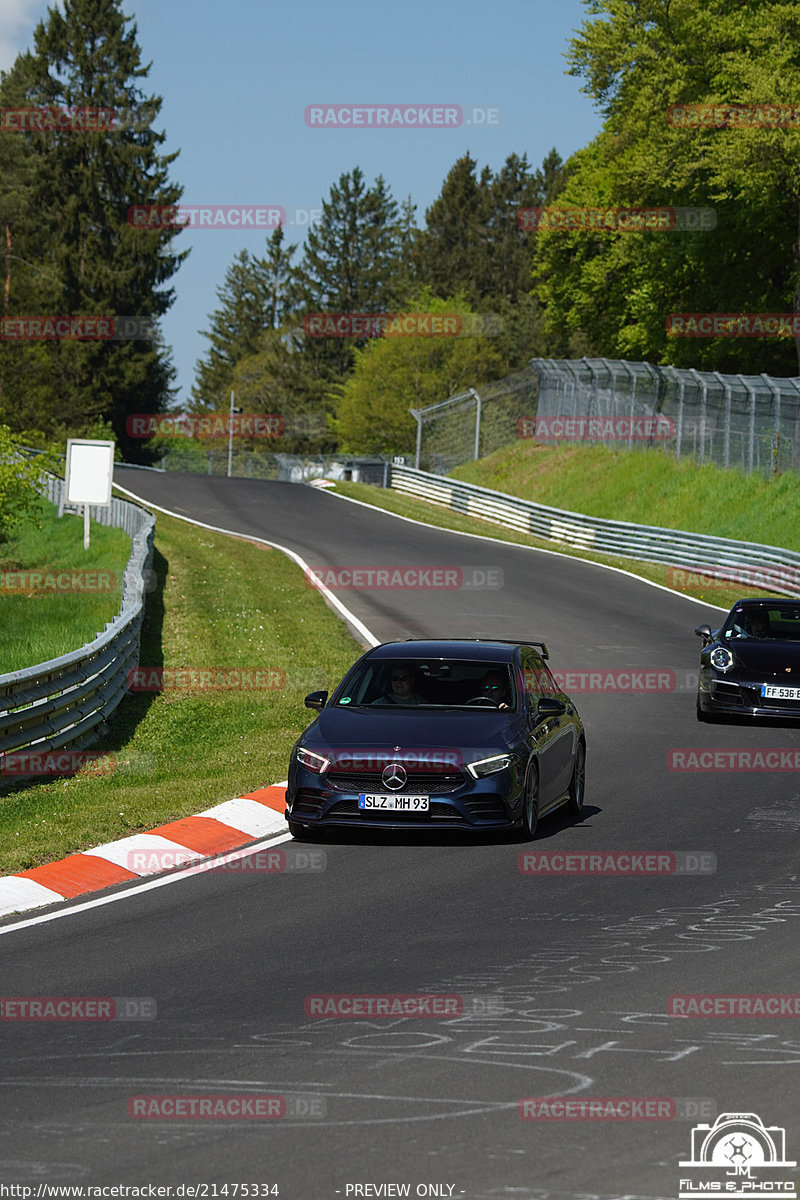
<point x="411" y="683"/>
<point x="764" y="622"/>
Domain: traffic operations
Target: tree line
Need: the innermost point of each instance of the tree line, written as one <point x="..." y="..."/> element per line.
<point x="697" y="115"/>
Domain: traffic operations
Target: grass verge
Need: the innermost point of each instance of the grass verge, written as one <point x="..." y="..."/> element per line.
<point x="222" y="606"/>
<point x="54" y="595"/>
<point x="648" y="487"/>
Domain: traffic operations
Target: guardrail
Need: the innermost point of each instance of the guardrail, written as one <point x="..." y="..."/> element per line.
<point x="65" y="702"/>
<point x="697" y="552"/>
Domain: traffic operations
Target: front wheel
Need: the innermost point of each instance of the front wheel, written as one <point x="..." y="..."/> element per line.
<point x="578" y="782"/>
<point x="530" y="807"/>
<point x="704" y="717"/>
<point x="301" y="833"/>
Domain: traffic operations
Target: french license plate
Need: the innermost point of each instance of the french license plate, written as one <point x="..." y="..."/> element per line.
<point x="772" y="691"/>
<point x="376" y="800"/>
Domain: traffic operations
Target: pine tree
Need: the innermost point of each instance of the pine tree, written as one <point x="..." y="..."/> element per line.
<point x="90" y="259"/>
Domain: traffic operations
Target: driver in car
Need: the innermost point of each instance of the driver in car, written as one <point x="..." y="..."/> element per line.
<point x="758" y="623"/>
<point x="402" y="689"/>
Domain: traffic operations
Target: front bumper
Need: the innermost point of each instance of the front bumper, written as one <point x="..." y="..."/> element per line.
<point x="482" y="804"/>
<point x="742" y="697"/>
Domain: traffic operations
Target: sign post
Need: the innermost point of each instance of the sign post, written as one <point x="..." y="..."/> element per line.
<point x="88" y="478"/>
<point x="230" y="436"/>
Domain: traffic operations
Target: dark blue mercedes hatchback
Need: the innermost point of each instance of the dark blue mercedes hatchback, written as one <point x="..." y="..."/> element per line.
<point x="471" y="735"/>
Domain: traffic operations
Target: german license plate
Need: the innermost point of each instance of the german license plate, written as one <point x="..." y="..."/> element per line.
<point x="376" y="800"/>
<point x="772" y="691"/>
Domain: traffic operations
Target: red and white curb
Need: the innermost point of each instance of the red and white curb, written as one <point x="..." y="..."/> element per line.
<point x="226" y="826"/>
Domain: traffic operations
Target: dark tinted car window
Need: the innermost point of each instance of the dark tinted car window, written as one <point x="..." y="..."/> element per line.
<point x="432" y="683"/>
<point x="764" y="622"/>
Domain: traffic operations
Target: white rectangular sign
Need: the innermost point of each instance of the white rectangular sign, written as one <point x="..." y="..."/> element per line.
<point x="90" y="467"/>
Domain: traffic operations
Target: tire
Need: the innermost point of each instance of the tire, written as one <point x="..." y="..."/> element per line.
<point x="704" y="717"/>
<point x="577" y="784"/>
<point x="530" y="808"/>
<point x="301" y="833"/>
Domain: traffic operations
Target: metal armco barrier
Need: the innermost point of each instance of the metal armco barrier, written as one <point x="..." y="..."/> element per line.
<point x="696" y="552"/>
<point x="65" y="702"/>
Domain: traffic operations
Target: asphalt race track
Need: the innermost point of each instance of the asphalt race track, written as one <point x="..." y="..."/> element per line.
<point x="565" y="981"/>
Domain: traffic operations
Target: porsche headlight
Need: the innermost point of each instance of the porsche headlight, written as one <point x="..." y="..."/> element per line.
<point x="721" y="658"/>
<point x="488" y="766"/>
<point x="312" y="761"/>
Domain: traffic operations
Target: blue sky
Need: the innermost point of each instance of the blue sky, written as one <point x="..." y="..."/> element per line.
<point x="236" y="78"/>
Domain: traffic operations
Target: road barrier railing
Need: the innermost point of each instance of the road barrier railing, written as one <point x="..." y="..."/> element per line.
<point x="66" y="701"/>
<point x="693" y="552"/>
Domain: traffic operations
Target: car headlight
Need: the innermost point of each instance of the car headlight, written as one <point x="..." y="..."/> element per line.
<point x="312" y="761"/>
<point x="488" y="766"/>
<point x="721" y="658"/>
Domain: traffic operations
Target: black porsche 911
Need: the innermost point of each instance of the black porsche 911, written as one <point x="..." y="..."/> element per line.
<point x="457" y="734"/>
<point x="750" y="666"/>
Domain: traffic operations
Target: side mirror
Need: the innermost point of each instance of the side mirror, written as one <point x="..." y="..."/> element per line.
<point x="316" y="700"/>
<point x="704" y="631"/>
<point x="550" y="707"/>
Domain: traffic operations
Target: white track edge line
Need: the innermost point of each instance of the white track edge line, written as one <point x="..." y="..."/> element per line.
<point x="247" y="537"/>
<point x="136" y="888"/>
<point x="486" y="537"/>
